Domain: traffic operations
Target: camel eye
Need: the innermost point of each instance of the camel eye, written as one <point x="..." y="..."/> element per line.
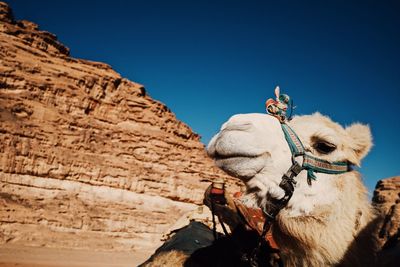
<point x="324" y="147"/>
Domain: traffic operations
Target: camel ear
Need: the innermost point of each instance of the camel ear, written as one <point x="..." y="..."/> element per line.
<point x="362" y="140"/>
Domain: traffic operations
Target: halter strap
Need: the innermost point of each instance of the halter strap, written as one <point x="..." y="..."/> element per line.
<point x="310" y="163"/>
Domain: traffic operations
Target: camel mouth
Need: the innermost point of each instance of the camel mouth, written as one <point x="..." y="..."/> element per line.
<point x="217" y="156"/>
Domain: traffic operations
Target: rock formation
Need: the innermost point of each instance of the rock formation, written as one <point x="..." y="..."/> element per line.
<point x="88" y="159"/>
<point x="387" y="200"/>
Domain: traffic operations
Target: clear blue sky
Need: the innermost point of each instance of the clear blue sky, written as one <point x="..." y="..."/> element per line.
<point x="208" y="60"/>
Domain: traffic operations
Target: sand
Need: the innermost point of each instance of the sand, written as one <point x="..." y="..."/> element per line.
<point x="21" y="256"/>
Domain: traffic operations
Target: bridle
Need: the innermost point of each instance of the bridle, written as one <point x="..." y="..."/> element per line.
<point x="311" y="164"/>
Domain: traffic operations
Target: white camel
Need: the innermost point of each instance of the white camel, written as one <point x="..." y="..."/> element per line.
<point x="329" y="223"/>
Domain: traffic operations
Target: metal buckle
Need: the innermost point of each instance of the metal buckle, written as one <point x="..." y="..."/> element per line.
<point x="296" y="168"/>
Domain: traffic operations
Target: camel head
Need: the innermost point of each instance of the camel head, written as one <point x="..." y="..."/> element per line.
<point x="253" y="147"/>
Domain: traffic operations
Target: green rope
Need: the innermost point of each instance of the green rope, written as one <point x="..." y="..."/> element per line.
<point x="311" y="174"/>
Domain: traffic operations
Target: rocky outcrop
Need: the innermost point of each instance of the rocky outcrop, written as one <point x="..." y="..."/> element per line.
<point x="88" y="159"/>
<point x="387" y="200"/>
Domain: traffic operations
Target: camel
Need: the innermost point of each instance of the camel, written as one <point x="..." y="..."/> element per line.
<point x="327" y="223"/>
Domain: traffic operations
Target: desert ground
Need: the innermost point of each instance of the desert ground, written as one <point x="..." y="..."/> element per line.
<point x="22" y="256"/>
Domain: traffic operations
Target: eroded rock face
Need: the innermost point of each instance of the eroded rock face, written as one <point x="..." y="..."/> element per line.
<point x="387" y="200"/>
<point x="87" y="160"/>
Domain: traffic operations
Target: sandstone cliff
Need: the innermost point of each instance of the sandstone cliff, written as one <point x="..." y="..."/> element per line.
<point x="88" y="159"/>
<point x="387" y="200"/>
